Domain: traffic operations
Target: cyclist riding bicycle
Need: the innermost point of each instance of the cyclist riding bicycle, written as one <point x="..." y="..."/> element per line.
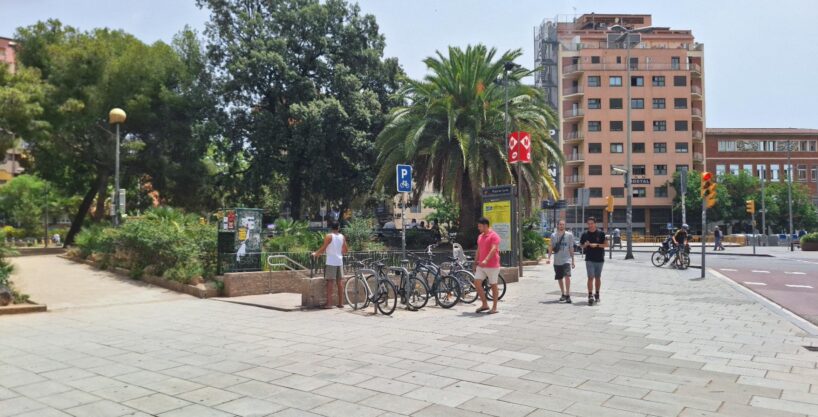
<point x="679" y="239"/>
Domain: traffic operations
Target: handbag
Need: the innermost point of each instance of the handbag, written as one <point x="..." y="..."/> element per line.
<point x="557" y="247"/>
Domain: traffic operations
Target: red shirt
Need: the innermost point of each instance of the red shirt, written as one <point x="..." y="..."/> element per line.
<point x="484" y="243"/>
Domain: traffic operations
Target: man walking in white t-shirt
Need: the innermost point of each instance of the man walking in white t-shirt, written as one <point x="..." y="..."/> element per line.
<point x="335" y="246"/>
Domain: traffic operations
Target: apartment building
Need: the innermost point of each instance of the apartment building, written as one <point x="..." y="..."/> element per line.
<point x="7" y="52"/>
<point x="591" y="65"/>
<point x="756" y="151"/>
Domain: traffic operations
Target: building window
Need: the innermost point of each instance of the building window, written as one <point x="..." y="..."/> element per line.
<point x="681" y="125"/>
<point x="639" y="192"/>
<point x="594" y="126"/>
<point x="594" y="169"/>
<point x="638" y="126"/>
<point x="658" y="80"/>
<point x="618" y="191"/>
<point x="594" y="148"/>
<point x="802" y="172"/>
<point x="679" y="81"/>
<point x="658" y="103"/>
<point x="748" y="169"/>
<point x="594" y="103"/>
<point x="814" y="173"/>
<point x="681" y="147"/>
<point x="761" y="172"/>
<point x="660" y="147"/>
<point x="674" y="62"/>
<point x="595" y="60"/>
<point x="660" y="191"/>
<point x="634" y="63"/>
<point x="638" y="147"/>
<point x="617" y="148"/>
<point x="682" y="168"/>
<point x="637" y="81"/>
<point x="615" y="81"/>
<point x="733" y="169"/>
<point x="615" y="103"/>
<point x="637" y="103"/>
<point x="679" y="103"/>
<point x="615" y="126"/>
<point x="774" y="172"/>
<point x="660" y="170"/>
<point x="594" y="81"/>
<point x="720" y="169"/>
<point x="595" y="192"/>
<point x="639" y="170"/>
<point x="659" y="125"/>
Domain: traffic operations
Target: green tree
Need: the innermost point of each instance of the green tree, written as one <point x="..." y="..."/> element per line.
<point x="445" y="210"/>
<point x="307" y="87"/>
<point x="804" y="215"/>
<point x="23" y="200"/>
<point x="452" y="129"/>
<point x="21" y="110"/>
<point x="734" y="192"/>
<point x="160" y="86"/>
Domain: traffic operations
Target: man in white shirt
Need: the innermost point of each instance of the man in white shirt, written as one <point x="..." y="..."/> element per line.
<point x="335" y="246"/>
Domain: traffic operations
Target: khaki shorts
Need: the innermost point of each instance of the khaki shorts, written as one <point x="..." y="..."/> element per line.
<point x="490" y="273"/>
<point x="332" y="272"/>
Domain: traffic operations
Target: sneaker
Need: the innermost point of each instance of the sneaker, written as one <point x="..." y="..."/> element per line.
<point x="568" y="300"/>
<point x="562" y="298"/>
<point x="590" y="299"/>
<point x="596" y="298"/>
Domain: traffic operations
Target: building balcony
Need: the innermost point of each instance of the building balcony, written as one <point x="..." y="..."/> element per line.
<point x="574" y="158"/>
<point x="696" y="92"/>
<point x="697" y="114"/>
<point x="576" y="136"/>
<point x="574" y="180"/>
<point x="698" y="136"/>
<point x="698" y="157"/>
<point x="573" y="114"/>
<point x="696" y="70"/>
<point x="572" y="92"/>
<point x="572" y="71"/>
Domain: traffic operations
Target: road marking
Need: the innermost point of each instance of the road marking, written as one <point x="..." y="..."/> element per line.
<point x="808" y="262"/>
<point x="796" y="273"/>
<point x="728" y="269"/>
<point x="799" y="286"/>
<point x="761" y="272"/>
<point x="754" y="283"/>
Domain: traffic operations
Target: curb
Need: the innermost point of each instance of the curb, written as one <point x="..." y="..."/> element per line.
<point x="692" y="251"/>
<point x="774" y="307"/>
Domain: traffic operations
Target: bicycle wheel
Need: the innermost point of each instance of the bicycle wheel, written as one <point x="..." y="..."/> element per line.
<point x="658" y="258"/>
<point x="418" y="293"/>
<point x="355" y="293"/>
<point x="501" y="288"/>
<point x="468" y="293"/>
<point x="447" y="292"/>
<point x="684" y="260"/>
<point x="386" y="297"/>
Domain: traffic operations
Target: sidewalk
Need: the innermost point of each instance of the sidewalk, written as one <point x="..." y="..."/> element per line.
<point x="661" y="343"/>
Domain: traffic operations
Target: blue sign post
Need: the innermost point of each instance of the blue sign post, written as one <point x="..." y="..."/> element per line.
<point x="403" y="174"/>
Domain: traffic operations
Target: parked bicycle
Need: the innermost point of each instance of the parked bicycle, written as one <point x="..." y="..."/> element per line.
<point x="371" y="285"/>
<point x="413" y="291"/>
<point x="445" y="288"/>
<point x="662" y="256"/>
<point x="461" y="268"/>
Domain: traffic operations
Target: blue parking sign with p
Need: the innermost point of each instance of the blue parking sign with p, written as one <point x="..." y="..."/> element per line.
<point x="404" y="176"/>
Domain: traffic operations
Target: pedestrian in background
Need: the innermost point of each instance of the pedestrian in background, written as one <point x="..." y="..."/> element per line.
<point x="562" y="246"/>
<point x="335" y="246"/>
<point x="593" y="244"/>
<point x="487" y="264"/>
<point x="718" y="236"/>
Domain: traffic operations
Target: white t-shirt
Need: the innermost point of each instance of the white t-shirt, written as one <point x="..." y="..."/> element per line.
<point x="335" y="250"/>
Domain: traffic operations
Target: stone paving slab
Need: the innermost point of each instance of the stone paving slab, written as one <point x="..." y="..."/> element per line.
<point x="661" y="343"/>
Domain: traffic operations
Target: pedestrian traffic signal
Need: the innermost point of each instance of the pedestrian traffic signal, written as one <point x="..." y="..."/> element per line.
<point x="610" y="204"/>
<point x="751" y="206"/>
<point x="708" y="190"/>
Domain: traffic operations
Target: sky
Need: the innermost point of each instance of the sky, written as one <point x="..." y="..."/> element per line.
<point x="760" y="56"/>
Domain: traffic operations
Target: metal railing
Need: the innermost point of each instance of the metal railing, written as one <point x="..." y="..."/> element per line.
<point x="696" y="112"/>
<point x="573" y="113"/>
<point x="620" y="45"/>
<point x="574" y="136"/>
<point x="698" y="135"/>
<point x="696" y="90"/>
<point x="640" y="66"/>
<point x="697" y="157"/>
<point x="574" y="179"/>
<point x="572" y="90"/>
<point x="574" y="156"/>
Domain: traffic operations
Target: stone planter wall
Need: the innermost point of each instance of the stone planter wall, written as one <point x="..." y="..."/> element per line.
<point x="809" y="246"/>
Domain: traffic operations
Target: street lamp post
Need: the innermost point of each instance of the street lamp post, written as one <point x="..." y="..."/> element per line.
<point x="116" y="117"/>
<point x="789" y="188"/>
<point x="518" y="256"/>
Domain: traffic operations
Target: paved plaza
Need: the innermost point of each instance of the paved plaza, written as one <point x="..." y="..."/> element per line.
<point x="661" y="343"/>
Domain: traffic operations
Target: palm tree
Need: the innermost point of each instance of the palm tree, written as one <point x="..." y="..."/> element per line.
<point x="452" y="126"/>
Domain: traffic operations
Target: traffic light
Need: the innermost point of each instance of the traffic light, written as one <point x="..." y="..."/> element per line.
<point x="610" y="208"/>
<point x="708" y="189"/>
<point x="751" y="206"/>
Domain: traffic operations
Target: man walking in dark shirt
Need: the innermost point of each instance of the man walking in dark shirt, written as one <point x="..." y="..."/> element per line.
<point x="593" y="244"/>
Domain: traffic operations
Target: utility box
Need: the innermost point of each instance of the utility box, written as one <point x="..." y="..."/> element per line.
<point x="239" y="242"/>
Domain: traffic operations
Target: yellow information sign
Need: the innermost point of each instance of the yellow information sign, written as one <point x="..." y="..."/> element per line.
<point x="499" y="214"/>
<point x="242" y="234"/>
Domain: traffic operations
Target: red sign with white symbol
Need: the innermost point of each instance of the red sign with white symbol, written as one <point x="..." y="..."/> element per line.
<point x="519" y="147"/>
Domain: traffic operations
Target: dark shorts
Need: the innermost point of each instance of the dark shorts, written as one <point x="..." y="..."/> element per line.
<point x="562" y="271"/>
<point x="594" y="269"/>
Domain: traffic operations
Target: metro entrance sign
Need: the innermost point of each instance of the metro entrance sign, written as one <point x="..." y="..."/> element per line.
<point x="519" y="147"/>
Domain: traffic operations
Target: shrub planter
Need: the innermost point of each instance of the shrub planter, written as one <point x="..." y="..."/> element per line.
<point x="22" y="308"/>
<point x="809" y="246"/>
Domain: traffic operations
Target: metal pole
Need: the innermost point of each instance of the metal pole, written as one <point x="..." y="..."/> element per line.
<point x="755" y="237"/>
<point x="704" y="233"/>
<point x="684" y="211"/>
<point x="45" y="221"/>
<point x="403" y="226"/>
<point x="629" y="185"/>
<point x="789" y="189"/>
<point x="116" y="180"/>
<point x="763" y="209"/>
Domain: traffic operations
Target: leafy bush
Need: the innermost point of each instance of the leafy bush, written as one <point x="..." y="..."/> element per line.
<point x="97" y="239"/>
<point x="533" y="245"/>
<point x="293" y="236"/>
<point x="359" y="235"/>
<point x="809" y="238"/>
<point x="11" y="232"/>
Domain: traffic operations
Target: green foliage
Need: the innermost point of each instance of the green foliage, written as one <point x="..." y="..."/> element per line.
<point x="359" y="235"/>
<point x="165" y="241"/>
<point x="308" y="87"/>
<point x="22" y="203"/>
<point x="293" y="236"/>
<point x="5" y="267"/>
<point x="809" y="238"/>
<point x="452" y="129"/>
<point x="11" y="232"/>
<point x="534" y="246"/>
<point x="445" y="210"/>
<point x="22" y="95"/>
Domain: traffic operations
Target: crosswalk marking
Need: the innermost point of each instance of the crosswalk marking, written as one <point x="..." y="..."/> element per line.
<point x="754" y="283"/>
<point x="761" y="272"/>
<point x="799" y="286"/>
<point x="795" y="273"/>
<point x="728" y="269"/>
